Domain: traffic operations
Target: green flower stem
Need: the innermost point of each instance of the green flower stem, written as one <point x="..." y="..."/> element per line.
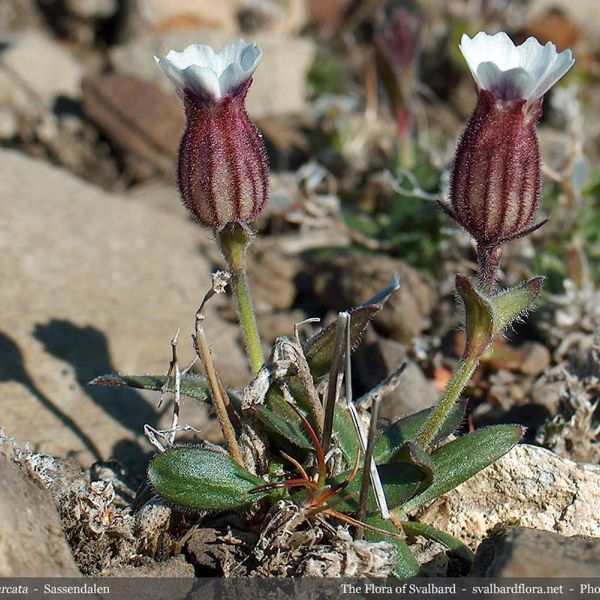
<point x="449" y="397"/>
<point x="234" y="241"/>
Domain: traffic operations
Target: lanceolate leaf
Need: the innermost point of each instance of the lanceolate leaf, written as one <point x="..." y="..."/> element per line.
<point x="400" y="482"/>
<point x="345" y="434"/>
<point x="291" y="430"/>
<point x="412" y="453"/>
<point x="455" y="546"/>
<point x="510" y="304"/>
<point x="192" y="386"/>
<point x="462" y="458"/>
<point x="201" y="479"/>
<point x="319" y="349"/>
<point x="406" y="564"/>
<point x="406" y="430"/>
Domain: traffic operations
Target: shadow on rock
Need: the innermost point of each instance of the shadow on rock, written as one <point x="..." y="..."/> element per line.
<point x="86" y="350"/>
<point x="12" y="368"/>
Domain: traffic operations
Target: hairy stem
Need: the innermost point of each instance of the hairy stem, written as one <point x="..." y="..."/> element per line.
<point x="489" y="263"/>
<point x="234" y="241"/>
<point x="447" y="401"/>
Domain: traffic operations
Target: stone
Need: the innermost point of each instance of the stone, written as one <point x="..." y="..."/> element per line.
<point x="158" y="195"/>
<point x="353" y="279"/>
<point x="92" y="9"/>
<point x="9" y="124"/>
<point x="524" y="552"/>
<point x="279" y="84"/>
<point x="94" y="284"/>
<point x="35" y="69"/>
<point x="273" y="325"/>
<point x="537" y="358"/>
<point x="530" y="487"/>
<point x="272" y="276"/>
<point x="32" y="543"/>
<point x="375" y="359"/>
<point x="584" y="12"/>
<point x="139" y="118"/>
<point x="165" y="15"/>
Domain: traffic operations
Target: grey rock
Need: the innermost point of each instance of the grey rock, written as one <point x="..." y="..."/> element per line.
<point x="584" y="12"/>
<point x="525" y="552"/>
<point x="36" y="70"/>
<point x="173" y="14"/>
<point x="95" y="284"/>
<point x="353" y="279"/>
<point x="378" y="357"/>
<point x="279" y="85"/>
<point x="32" y="542"/>
<point x="529" y="486"/>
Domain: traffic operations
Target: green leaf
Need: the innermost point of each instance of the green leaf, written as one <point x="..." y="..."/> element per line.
<point x="509" y="304"/>
<point x="290" y="429"/>
<point x="456" y="547"/>
<point x="400" y="482"/>
<point x="192" y="386"/>
<point x="462" y="458"/>
<point x="406" y="430"/>
<point x="319" y="348"/>
<point x="345" y="434"/>
<point x="479" y="318"/>
<point x="406" y="564"/>
<point x="412" y="453"/>
<point x="202" y="479"/>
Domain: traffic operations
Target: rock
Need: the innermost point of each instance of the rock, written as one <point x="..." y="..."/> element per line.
<point x="95" y="284"/>
<point x="583" y="12"/>
<point x="35" y="69"/>
<point x="139" y="118"/>
<point x="375" y="359"/>
<point x="174" y="567"/>
<point x="159" y="196"/>
<point x="523" y="552"/>
<point x="328" y="14"/>
<point x="32" y="543"/>
<point x="529" y="486"/>
<point x="353" y="279"/>
<point x="272" y="275"/>
<point x="279" y="85"/>
<point x="9" y="124"/>
<point x="273" y="15"/>
<point x="278" y="324"/>
<point x="537" y="358"/>
<point x="166" y="15"/>
<point x="92" y="9"/>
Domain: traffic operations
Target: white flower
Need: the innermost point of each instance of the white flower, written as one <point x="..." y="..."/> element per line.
<point x="514" y="72"/>
<point x="208" y="74"/>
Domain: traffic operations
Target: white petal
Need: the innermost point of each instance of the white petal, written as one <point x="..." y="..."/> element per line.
<point x="506" y="85"/>
<point x="203" y="81"/>
<point x="527" y="71"/>
<point x="209" y="74"/>
<point x="559" y="66"/>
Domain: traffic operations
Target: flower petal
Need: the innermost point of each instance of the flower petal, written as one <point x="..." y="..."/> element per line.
<point x="209" y="74"/>
<point x="527" y="71"/>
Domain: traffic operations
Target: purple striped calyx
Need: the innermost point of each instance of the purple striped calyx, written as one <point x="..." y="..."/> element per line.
<point x="222" y="171"/>
<point x="496" y="178"/>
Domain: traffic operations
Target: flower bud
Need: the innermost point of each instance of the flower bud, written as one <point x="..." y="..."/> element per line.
<point x="495" y="185"/>
<point x="496" y="178"/>
<point x="222" y="171"/>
